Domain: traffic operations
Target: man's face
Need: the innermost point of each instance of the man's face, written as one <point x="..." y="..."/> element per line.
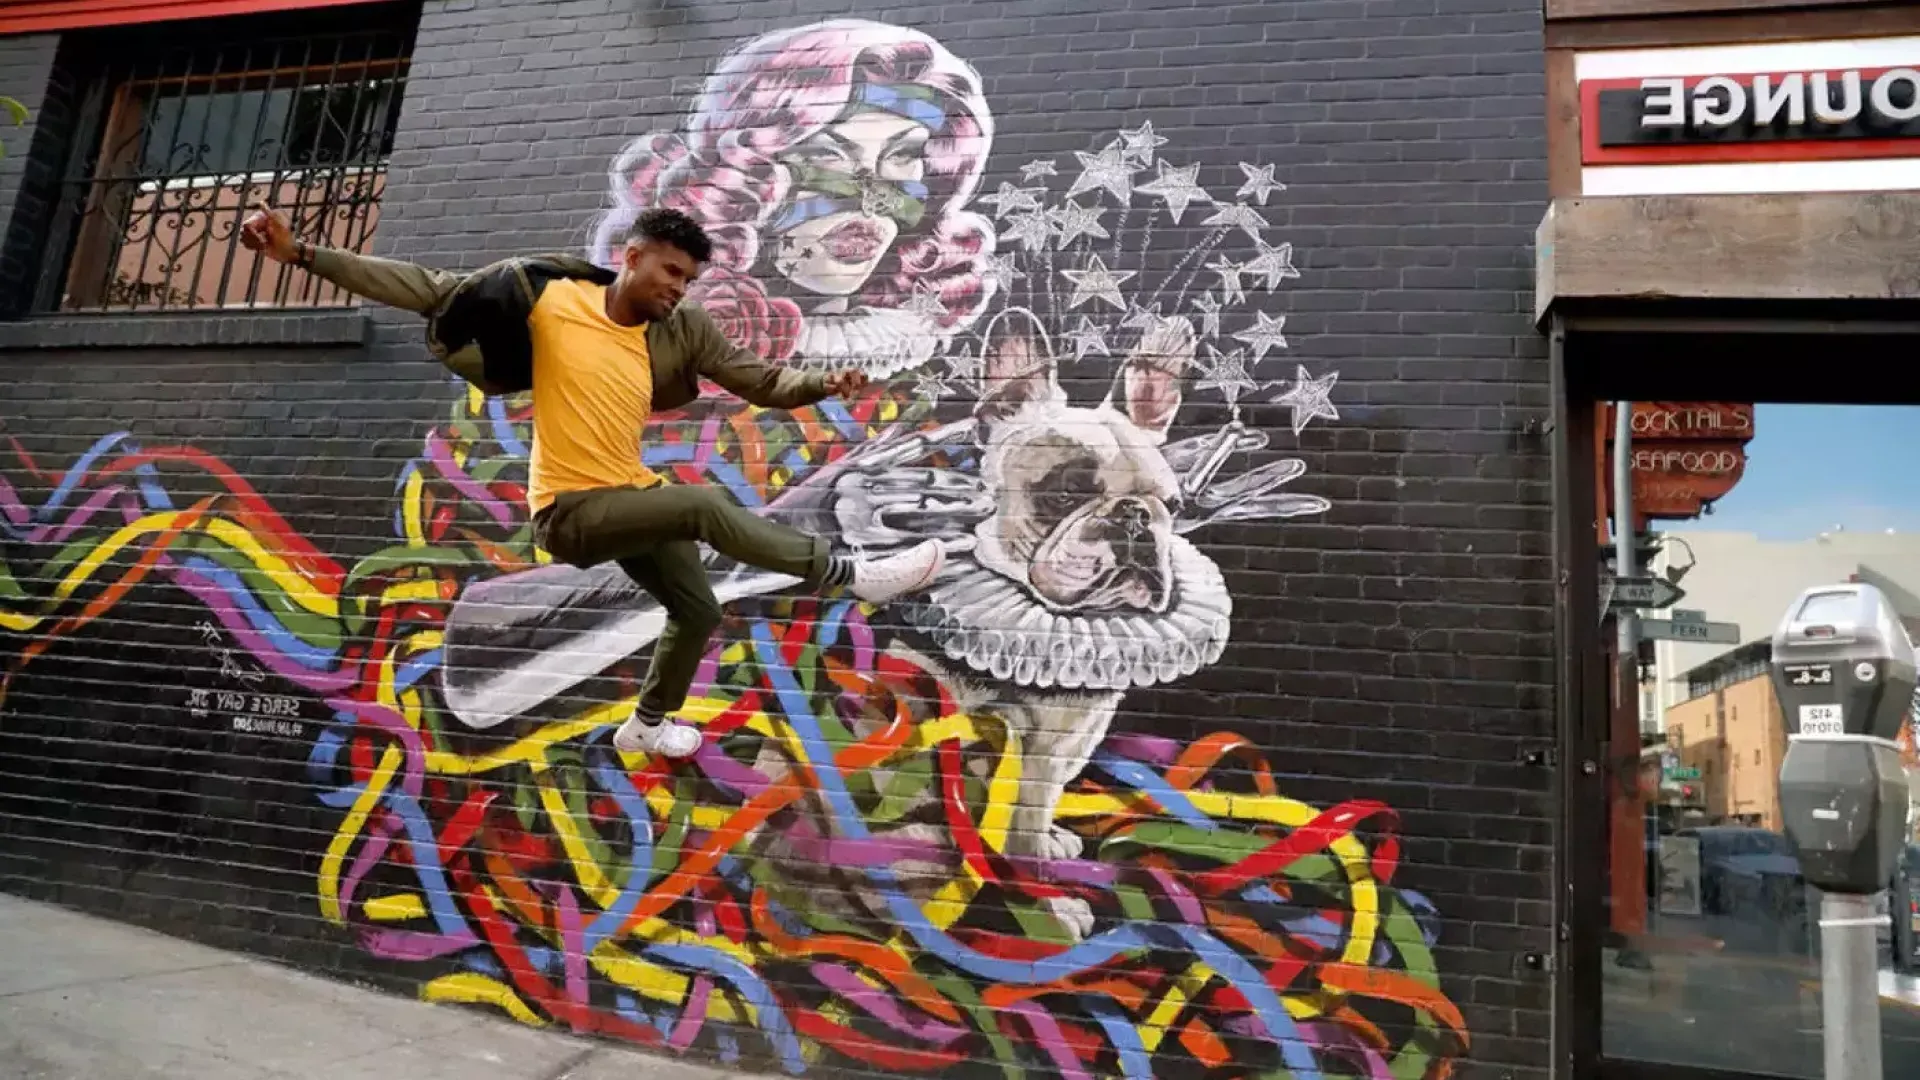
<point x="657" y="277"/>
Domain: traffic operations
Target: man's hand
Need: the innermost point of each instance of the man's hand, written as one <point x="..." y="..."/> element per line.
<point x="268" y="231"/>
<point x="846" y="383"/>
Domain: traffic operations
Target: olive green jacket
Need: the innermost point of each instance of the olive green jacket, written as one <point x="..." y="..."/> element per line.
<point x="477" y="327"/>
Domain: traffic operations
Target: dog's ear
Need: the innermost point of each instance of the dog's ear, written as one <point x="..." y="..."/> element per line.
<point x="1153" y="373"/>
<point x="1018" y="368"/>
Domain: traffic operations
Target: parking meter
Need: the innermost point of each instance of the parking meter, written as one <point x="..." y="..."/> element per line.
<point x="1843" y="669"/>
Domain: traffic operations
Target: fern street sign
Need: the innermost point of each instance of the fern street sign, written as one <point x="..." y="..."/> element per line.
<point x="1701" y="632"/>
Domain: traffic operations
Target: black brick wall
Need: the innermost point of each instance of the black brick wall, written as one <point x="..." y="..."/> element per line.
<point x="28" y="172"/>
<point x="1393" y="649"/>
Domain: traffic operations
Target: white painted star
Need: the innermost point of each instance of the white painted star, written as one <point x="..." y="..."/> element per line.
<point x="1110" y="170"/>
<point x="1141" y="142"/>
<point x="1000" y="270"/>
<point x="1238" y="216"/>
<point x="1265" y="334"/>
<point x="1087" y="338"/>
<point x="963" y="367"/>
<point x="1097" y="282"/>
<point x="1260" y="183"/>
<point x="1309" y="398"/>
<point x="926" y="303"/>
<point x="1071" y="221"/>
<point x="1209" y="310"/>
<point x="931" y="385"/>
<point x="1034" y="170"/>
<point x="1273" y="263"/>
<point x="1177" y="187"/>
<point x="1032" y="230"/>
<point x="1227" y="373"/>
<point x="1140" y="318"/>
<point x="1010" y="199"/>
<point x="1231" y="291"/>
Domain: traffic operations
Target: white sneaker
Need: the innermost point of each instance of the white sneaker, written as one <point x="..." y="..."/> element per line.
<point x="661" y="737"/>
<point x="878" y="581"/>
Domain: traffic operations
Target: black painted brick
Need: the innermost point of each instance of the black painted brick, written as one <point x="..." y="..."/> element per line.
<point x="347" y="326"/>
<point x="1397" y="649"/>
<point x="27" y="178"/>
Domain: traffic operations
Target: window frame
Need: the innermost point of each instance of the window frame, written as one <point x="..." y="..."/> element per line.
<point x="364" y="47"/>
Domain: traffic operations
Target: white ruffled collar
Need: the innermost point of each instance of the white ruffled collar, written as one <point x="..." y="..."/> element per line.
<point x="883" y="342"/>
<point x="993" y="626"/>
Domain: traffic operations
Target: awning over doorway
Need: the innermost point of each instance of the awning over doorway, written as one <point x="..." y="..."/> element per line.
<point x="1637" y="251"/>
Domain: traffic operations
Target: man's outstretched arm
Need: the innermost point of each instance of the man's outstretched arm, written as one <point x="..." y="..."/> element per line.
<point x="758" y="381"/>
<point x="397" y="284"/>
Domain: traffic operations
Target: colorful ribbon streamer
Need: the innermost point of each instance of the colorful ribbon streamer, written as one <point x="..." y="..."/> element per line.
<point x="1236" y="929"/>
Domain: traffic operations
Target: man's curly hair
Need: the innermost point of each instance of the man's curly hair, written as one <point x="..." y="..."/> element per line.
<point x="675" y="228"/>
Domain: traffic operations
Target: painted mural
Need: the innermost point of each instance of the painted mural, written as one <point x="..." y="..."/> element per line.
<point x="914" y="838"/>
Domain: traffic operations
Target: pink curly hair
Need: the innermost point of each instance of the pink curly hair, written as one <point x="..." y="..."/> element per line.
<point x="776" y="91"/>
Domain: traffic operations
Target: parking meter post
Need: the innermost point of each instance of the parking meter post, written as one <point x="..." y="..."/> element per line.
<point x="1843" y="671"/>
<point x="1850" y="986"/>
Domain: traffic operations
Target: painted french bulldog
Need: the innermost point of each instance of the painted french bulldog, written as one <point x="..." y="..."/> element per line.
<point x="1077" y="567"/>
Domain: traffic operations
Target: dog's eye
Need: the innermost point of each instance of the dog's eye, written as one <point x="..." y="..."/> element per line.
<point x="1059" y="503"/>
<point x="1065" y="488"/>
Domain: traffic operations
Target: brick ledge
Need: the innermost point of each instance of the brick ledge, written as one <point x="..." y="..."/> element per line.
<point x="216" y="329"/>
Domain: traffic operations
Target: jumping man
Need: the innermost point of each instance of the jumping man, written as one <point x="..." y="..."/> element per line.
<point x="601" y="351"/>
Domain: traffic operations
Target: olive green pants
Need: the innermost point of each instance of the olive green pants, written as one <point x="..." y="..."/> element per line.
<point x="654" y="533"/>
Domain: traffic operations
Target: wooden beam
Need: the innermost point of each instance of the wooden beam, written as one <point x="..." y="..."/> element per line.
<point x="1563" y="125"/>
<point x="1881" y="19"/>
<point x="1728" y="247"/>
<point x="1627" y="9"/>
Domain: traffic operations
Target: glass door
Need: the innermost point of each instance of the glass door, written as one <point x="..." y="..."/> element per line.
<point x="1710" y="954"/>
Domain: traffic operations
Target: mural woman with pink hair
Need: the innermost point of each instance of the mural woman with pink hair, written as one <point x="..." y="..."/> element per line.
<point x="832" y="164"/>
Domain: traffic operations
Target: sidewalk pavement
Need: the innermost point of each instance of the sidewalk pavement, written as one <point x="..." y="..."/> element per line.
<point x="83" y="998"/>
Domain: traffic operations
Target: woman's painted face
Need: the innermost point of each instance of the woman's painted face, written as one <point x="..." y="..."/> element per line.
<point x="854" y="185"/>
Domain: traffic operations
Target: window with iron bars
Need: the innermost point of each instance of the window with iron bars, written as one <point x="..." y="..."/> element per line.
<point x="174" y="149"/>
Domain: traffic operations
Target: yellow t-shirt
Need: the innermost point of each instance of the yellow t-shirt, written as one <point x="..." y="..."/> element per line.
<point x="592" y="392"/>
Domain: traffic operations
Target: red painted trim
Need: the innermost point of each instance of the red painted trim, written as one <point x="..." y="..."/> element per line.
<point x="43" y="16"/>
<point x="1592" y="153"/>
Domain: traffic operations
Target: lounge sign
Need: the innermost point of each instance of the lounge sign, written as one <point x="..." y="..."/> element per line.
<point x="1777" y="115"/>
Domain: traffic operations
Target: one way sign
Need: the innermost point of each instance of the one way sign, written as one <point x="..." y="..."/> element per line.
<point x="1643" y="592"/>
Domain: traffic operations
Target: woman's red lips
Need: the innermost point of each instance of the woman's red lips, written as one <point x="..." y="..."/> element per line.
<point x="854" y="242"/>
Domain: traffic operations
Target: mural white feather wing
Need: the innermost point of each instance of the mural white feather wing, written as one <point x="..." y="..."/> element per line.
<point x="514" y="643"/>
<point x="900" y="507"/>
<point x="1252" y="496"/>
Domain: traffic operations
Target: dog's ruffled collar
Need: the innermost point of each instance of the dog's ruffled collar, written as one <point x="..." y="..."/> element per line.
<point x="995" y="627"/>
<point x="880" y="341"/>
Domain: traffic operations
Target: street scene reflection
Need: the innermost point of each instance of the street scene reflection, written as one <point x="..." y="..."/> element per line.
<point x="1713" y="955"/>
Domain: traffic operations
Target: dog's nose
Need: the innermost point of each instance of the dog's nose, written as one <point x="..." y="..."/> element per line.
<point x="1133" y="519"/>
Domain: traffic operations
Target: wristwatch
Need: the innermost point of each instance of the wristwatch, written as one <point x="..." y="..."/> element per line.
<point x="302" y="254"/>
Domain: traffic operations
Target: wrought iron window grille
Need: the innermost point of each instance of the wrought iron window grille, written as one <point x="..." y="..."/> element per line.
<point x="173" y="147"/>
